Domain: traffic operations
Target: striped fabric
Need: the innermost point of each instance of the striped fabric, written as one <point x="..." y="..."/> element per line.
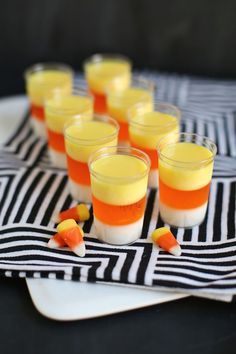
<point x="32" y="190"/>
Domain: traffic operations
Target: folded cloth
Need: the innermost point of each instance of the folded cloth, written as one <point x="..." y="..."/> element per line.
<point x="32" y="190"/>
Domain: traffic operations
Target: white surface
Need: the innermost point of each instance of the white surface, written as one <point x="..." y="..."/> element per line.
<point x="58" y="158"/>
<point x="80" y="192"/>
<point x="118" y="235"/>
<point x="67" y="300"/>
<point x="182" y="218"/>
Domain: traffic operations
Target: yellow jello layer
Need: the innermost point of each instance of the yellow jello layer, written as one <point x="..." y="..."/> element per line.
<point x="60" y="109"/>
<point x="83" y="139"/>
<point x="186" y="169"/>
<point x="119" y="103"/>
<point x="147" y="129"/>
<point x="42" y="84"/>
<point x="116" y="74"/>
<point x="118" y="185"/>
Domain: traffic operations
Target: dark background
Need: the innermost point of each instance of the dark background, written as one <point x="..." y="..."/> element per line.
<point x="183" y="36"/>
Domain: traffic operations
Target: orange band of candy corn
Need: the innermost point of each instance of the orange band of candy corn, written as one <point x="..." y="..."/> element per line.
<point x="38" y="112"/>
<point x="166" y="241"/>
<point x="59" y="240"/>
<point x="118" y="214"/>
<point x="180" y="199"/>
<point x="56" y="141"/>
<point x="79" y="213"/>
<point x="73" y="237"/>
<point x="100" y="105"/>
<point x="78" y="171"/>
<point x="152" y="153"/>
<point x="56" y="241"/>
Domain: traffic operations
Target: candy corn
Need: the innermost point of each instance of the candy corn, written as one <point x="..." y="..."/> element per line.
<point x="72" y="234"/>
<point x="56" y="241"/>
<point x="79" y="212"/>
<point x="164" y="238"/>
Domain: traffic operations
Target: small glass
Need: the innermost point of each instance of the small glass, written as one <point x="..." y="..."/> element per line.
<point x="83" y="136"/>
<point x="58" y="110"/>
<point x="119" y="178"/>
<point x="42" y="81"/>
<point x="146" y="129"/>
<point x="185" y="172"/>
<point x="102" y="70"/>
<point x="119" y="102"/>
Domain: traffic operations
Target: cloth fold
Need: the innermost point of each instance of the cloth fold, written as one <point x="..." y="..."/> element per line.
<point x="32" y="190"/>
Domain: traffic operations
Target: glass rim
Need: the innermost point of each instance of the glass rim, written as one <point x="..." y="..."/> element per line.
<point x="183" y="164"/>
<point x="99" y="57"/>
<point x="76" y="92"/>
<point x="47" y="66"/>
<point x="84" y="118"/>
<point x="117" y="150"/>
<point x="134" y="123"/>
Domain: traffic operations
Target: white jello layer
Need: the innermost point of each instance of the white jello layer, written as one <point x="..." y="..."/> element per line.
<point x="118" y="235"/>
<point x="153" y="178"/>
<point x="80" y="192"/>
<point x="182" y="218"/>
<point x="58" y="158"/>
<point x="39" y="128"/>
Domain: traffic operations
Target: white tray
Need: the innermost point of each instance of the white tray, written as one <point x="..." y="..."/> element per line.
<point x="66" y="300"/>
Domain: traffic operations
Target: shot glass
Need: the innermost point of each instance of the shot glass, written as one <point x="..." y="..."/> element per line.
<point x="42" y="81"/>
<point x="82" y="138"/>
<point x="119" y="178"/>
<point x="59" y="110"/>
<point x="146" y="129"/>
<point x="185" y="172"/>
<point x="119" y="102"/>
<point x="103" y="69"/>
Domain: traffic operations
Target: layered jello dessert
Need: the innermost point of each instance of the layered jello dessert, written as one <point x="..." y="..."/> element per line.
<point x="42" y="82"/>
<point x="119" y="102"/>
<point x="146" y="129"/>
<point x="185" y="172"/>
<point x="102" y="71"/>
<point x="82" y="138"/>
<point x="119" y="178"/>
<point x="58" y="111"/>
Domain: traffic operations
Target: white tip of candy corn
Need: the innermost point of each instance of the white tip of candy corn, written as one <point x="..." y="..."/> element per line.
<point x="53" y="244"/>
<point x="55" y="218"/>
<point x="80" y="249"/>
<point x="176" y="251"/>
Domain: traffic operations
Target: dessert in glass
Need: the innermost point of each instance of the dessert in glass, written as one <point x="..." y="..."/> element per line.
<point x="185" y="172"/>
<point x="83" y="136"/>
<point x="119" y="102"/>
<point x="58" y="110"/>
<point x="146" y="129"/>
<point x="102" y="70"/>
<point x="42" y="81"/>
<point x="119" y="177"/>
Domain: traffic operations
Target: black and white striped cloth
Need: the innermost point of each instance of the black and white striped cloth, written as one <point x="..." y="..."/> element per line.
<point x="31" y="190"/>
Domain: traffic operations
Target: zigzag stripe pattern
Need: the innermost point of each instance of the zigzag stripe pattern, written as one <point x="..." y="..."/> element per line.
<point x="32" y="190"/>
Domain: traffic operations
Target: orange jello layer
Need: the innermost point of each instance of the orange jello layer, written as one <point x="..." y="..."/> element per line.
<point x="78" y="171"/>
<point x="56" y="141"/>
<point x="152" y="153"/>
<point x="180" y="199"/>
<point x="37" y="112"/>
<point x="124" y="131"/>
<point x="118" y="214"/>
<point x="99" y="105"/>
